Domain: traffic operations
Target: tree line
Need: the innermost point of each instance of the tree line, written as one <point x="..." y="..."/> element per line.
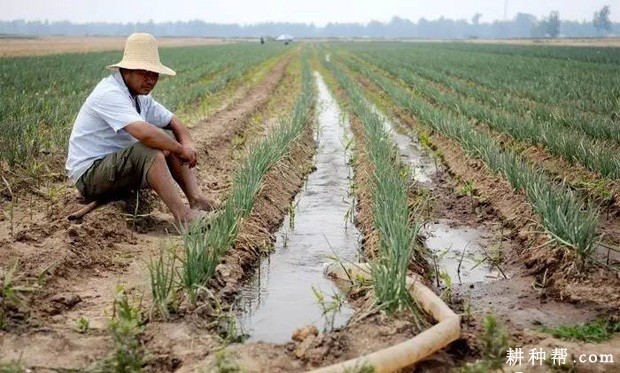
<point x="523" y="25"/>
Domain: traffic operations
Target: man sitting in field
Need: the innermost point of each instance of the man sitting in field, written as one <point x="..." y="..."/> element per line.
<point x="118" y="142"/>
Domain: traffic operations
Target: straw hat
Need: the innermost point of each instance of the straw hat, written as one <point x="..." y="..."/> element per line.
<point x="141" y="53"/>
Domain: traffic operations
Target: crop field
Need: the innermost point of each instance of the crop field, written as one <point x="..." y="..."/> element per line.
<point x="466" y="196"/>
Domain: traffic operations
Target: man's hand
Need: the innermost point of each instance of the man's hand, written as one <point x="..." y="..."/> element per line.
<point x="188" y="155"/>
<point x="154" y="137"/>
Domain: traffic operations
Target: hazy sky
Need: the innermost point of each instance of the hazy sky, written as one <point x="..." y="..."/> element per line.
<point x="319" y="12"/>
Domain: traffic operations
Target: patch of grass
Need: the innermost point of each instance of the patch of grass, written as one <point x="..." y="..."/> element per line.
<point x="329" y="307"/>
<point x="494" y="341"/>
<point x="125" y="327"/>
<point x="162" y="271"/>
<point x="11" y="294"/>
<point x="81" y="325"/>
<point x="12" y="367"/>
<point x="363" y="368"/>
<point x="493" y="345"/>
<point x="596" y="331"/>
<point x="229" y="329"/>
<point x="224" y="364"/>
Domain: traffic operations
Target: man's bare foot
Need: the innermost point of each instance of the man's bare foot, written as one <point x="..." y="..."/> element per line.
<point x="203" y="204"/>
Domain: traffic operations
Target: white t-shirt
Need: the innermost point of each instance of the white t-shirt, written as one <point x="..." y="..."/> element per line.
<point x="99" y="127"/>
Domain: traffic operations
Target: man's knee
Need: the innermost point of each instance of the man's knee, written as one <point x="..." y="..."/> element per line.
<point x="160" y="157"/>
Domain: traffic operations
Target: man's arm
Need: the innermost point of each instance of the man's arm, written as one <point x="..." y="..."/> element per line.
<point x="180" y="131"/>
<point x="155" y="137"/>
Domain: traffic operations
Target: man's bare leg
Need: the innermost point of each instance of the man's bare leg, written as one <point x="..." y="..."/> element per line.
<point x="186" y="178"/>
<point x="161" y="181"/>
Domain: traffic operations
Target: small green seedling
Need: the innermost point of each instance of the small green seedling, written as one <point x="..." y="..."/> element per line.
<point x="82" y="324"/>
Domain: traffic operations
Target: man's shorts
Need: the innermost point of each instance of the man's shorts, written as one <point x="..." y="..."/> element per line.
<point x="117" y="173"/>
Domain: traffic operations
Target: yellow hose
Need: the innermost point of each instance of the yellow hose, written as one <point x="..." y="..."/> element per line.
<point x="447" y="330"/>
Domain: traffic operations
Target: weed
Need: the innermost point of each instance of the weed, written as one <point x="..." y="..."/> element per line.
<point x="467" y="189"/>
<point x="468" y="311"/>
<point x="363" y="368"/>
<point x="425" y="139"/>
<point x="224" y="364"/>
<point x="12" y="367"/>
<point x="349" y="217"/>
<point x="162" y="271"/>
<point x="125" y="327"/>
<point x="446" y="295"/>
<point x="595" y="331"/>
<point x="330" y="308"/>
<point x="436" y="271"/>
<point x="11" y="295"/>
<point x="599" y="188"/>
<point x="229" y="329"/>
<point x="11" y="215"/>
<point x="494" y="342"/>
<point x="494" y="257"/>
<point x="53" y="195"/>
<point x="292" y="212"/>
<point x="81" y="325"/>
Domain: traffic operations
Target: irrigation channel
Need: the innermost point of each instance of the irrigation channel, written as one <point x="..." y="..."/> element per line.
<point x="280" y="296"/>
<point x="459" y="250"/>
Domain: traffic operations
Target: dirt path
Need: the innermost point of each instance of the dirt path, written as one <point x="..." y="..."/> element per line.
<point x="12" y="47"/>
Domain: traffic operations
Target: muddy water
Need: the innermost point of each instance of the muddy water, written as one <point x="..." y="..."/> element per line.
<point x="462" y="253"/>
<point x="280" y="297"/>
<point x="422" y="166"/>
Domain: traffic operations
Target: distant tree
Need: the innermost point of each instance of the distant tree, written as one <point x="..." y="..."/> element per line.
<point x="601" y="21"/>
<point x="400" y="27"/>
<point x="475" y="20"/>
<point x="550" y="26"/>
<point x="524" y="25"/>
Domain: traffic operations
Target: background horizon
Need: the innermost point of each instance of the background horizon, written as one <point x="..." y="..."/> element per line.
<point x="318" y="12"/>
